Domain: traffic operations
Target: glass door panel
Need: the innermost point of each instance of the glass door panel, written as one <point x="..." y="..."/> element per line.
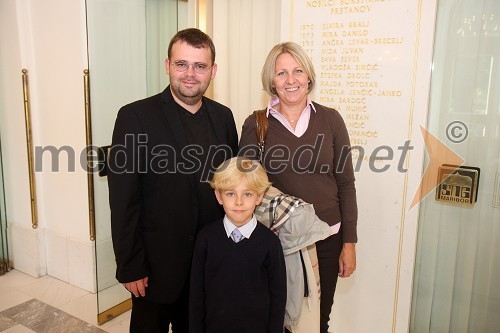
<point x="457" y="270"/>
<point x="4" y="253"/>
<point x="127" y="46"/>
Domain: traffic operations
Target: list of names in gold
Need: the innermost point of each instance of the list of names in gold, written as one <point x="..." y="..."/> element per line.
<point x="348" y="52"/>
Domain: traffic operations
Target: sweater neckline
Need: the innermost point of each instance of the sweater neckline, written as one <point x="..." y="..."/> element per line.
<point x="229" y="239"/>
<point x="312" y="121"/>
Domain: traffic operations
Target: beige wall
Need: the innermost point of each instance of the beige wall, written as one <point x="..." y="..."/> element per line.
<point x="51" y="43"/>
<point x="377" y="297"/>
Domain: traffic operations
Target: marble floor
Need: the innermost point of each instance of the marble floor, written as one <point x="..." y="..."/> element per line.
<point x="45" y="304"/>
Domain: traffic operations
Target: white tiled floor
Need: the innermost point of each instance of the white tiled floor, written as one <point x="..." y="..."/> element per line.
<point x="17" y="288"/>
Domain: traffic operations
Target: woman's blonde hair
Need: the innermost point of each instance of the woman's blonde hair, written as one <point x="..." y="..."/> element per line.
<point x="269" y="68"/>
<point x="231" y="172"/>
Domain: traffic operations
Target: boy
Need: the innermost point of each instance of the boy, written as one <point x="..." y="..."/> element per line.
<point x="238" y="276"/>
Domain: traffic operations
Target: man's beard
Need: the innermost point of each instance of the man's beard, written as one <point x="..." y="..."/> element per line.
<point x="188" y="96"/>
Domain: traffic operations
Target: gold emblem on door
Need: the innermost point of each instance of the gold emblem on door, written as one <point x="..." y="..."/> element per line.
<point x="457" y="185"/>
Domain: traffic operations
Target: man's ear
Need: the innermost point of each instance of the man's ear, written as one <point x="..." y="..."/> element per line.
<point x="214" y="71"/>
<point x="167" y="66"/>
<point x="217" y="195"/>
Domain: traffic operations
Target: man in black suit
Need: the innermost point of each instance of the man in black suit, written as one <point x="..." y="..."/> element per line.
<point x="163" y="152"/>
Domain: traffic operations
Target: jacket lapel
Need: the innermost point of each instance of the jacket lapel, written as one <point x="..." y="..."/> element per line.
<point x="174" y="122"/>
<point x="215" y="120"/>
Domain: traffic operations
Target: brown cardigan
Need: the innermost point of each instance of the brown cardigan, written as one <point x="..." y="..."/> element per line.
<point x="316" y="167"/>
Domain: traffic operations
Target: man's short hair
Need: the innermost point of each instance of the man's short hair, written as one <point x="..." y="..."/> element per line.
<point x="195" y="38"/>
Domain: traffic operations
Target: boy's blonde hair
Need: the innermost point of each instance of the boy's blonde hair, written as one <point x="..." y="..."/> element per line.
<point x="231" y="172"/>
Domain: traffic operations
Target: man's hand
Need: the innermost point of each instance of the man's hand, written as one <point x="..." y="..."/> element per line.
<point x="137" y="287"/>
<point x="347" y="260"/>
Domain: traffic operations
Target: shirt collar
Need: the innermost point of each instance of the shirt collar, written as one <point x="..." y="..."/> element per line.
<point x="275" y="100"/>
<point x="245" y="230"/>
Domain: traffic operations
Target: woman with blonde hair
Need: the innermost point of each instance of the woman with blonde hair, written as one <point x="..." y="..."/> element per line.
<point x="307" y="155"/>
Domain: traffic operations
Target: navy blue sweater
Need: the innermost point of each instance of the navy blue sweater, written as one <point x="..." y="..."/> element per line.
<point x="237" y="287"/>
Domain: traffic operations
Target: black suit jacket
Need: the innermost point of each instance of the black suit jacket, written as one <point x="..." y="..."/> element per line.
<point x="153" y="193"/>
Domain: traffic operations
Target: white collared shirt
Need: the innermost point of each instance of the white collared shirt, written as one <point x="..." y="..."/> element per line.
<point x="246" y="230"/>
<point x="302" y="122"/>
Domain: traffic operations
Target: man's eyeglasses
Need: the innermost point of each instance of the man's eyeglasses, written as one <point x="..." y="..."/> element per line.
<point x="181" y="66"/>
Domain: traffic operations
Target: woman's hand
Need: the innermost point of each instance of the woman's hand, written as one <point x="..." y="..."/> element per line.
<point x="347" y="260"/>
